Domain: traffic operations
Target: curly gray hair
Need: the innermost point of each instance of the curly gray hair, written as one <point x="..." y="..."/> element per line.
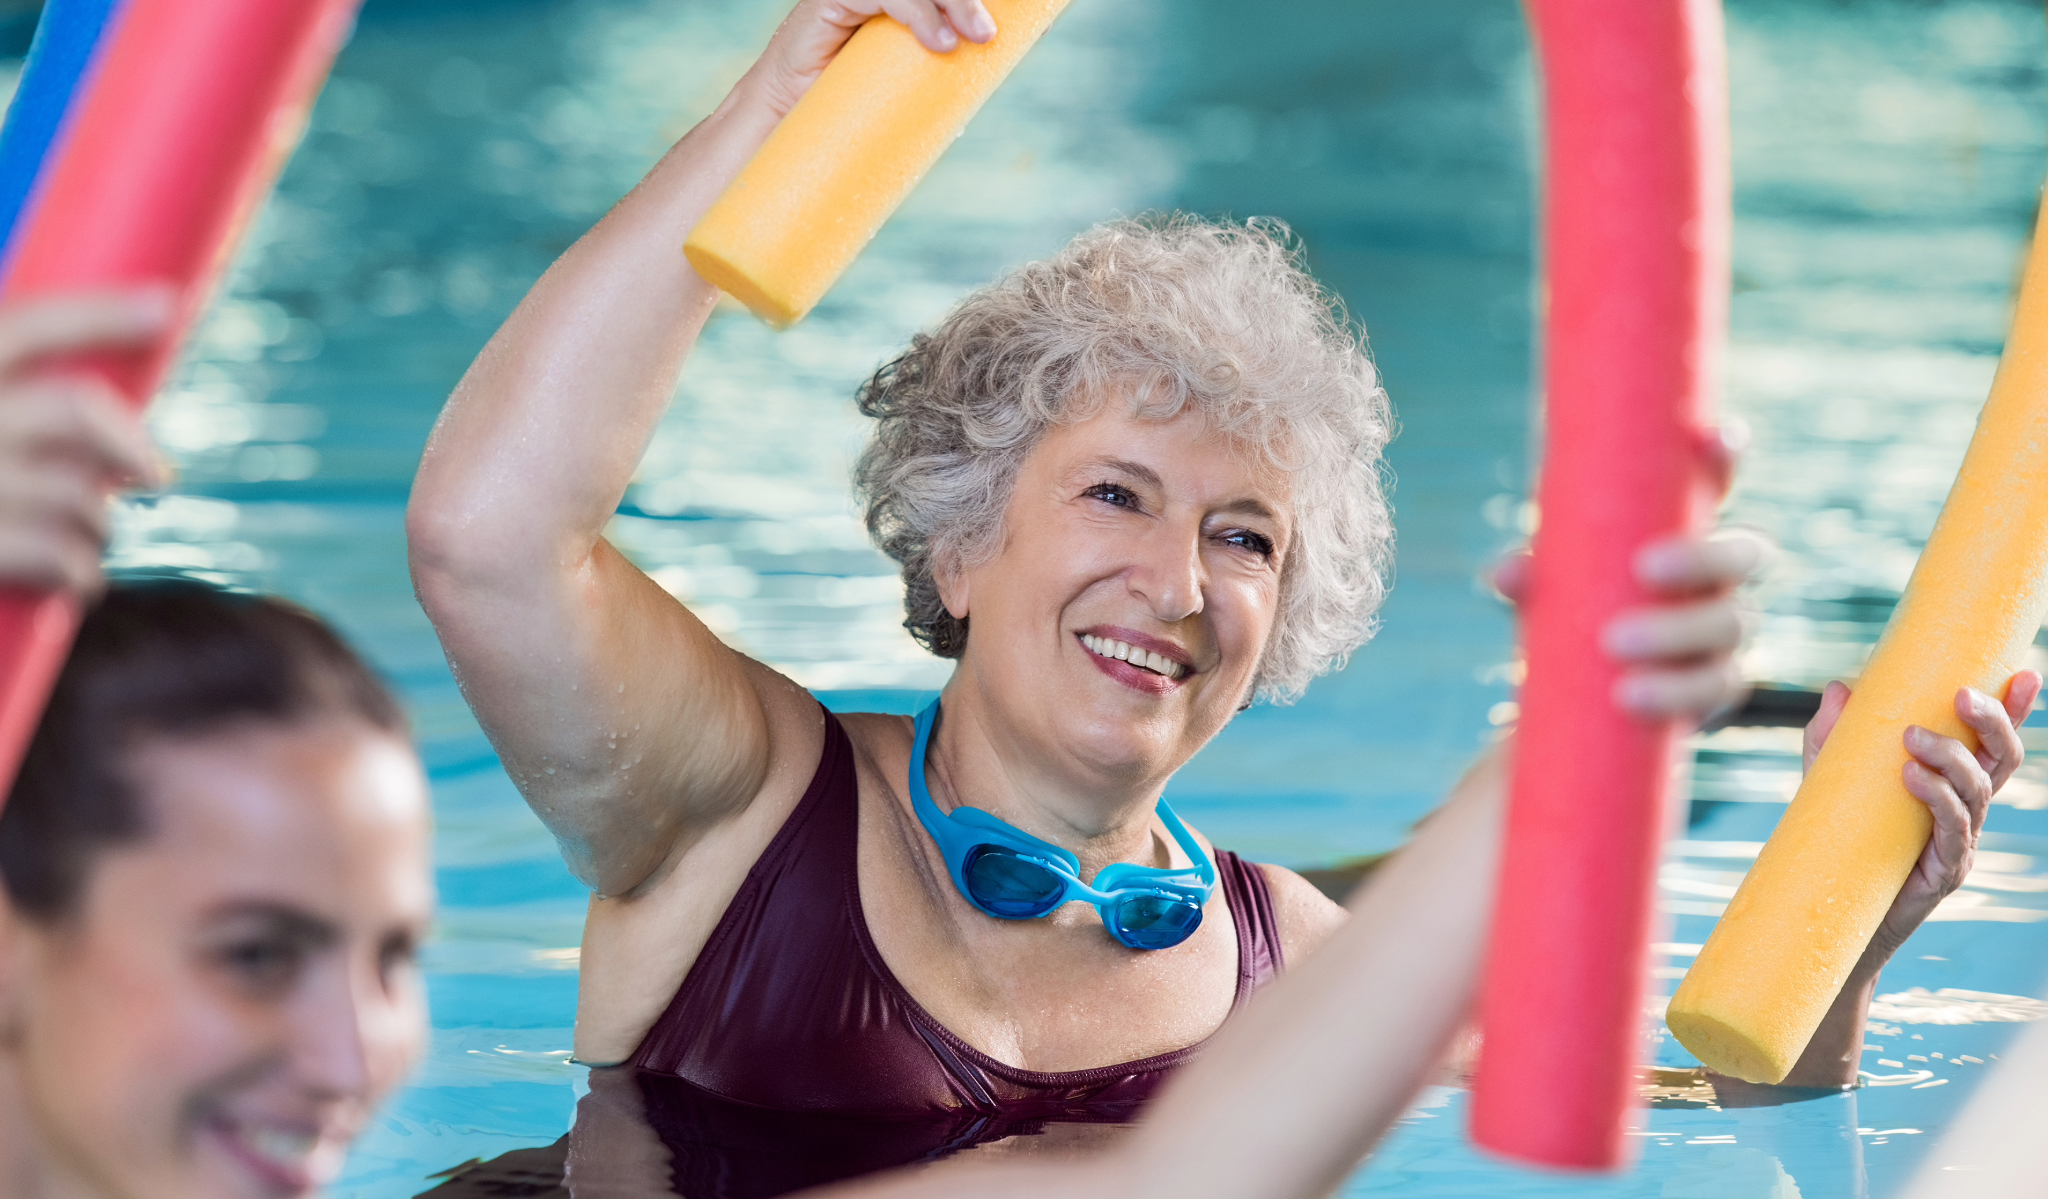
<point x="1173" y="312"/>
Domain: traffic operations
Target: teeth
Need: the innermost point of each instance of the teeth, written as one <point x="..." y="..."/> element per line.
<point x="286" y="1148"/>
<point x="1123" y="652"/>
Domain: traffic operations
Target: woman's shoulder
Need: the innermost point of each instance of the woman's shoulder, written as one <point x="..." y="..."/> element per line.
<point x="881" y="741"/>
<point x="1305" y="916"/>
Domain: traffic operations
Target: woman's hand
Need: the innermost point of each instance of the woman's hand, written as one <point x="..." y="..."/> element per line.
<point x="67" y="441"/>
<point x="1956" y="785"/>
<point x="1680" y="655"/>
<point x="812" y="34"/>
<point x="1954" y="782"/>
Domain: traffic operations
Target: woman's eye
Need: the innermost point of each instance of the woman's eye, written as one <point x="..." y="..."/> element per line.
<point x="1112" y="493"/>
<point x="399" y="954"/>
<point x="262" y="965"/>
<point x="1257" y="543"/>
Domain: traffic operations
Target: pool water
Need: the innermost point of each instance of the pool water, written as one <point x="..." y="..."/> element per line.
<point x="1888" y="156"/>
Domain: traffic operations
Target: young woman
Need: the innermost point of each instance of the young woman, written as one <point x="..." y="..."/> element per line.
<point x="216" y="870"/>
<point x="213" y="865"/>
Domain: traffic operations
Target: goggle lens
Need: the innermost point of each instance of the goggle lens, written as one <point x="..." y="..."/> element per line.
<point x="1156" y="921"/>
<point x="1011" y="886"/>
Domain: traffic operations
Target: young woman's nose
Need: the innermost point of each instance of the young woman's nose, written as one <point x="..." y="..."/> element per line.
<point x="1167" y="571"/>
<point x="334" y="1026"/>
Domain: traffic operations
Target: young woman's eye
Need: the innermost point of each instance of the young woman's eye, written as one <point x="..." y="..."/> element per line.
<point x="262" y="965"/>
<point x="399" y="954"/>
<point x="1114" y="493"/>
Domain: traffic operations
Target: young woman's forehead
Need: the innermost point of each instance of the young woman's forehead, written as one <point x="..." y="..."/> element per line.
<point x="281" y="810"/>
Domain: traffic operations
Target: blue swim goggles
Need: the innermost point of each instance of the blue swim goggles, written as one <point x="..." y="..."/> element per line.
<point x="1012" y="875"/>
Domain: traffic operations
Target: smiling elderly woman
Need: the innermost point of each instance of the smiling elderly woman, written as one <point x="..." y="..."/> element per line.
<point x="1131" y="487"/>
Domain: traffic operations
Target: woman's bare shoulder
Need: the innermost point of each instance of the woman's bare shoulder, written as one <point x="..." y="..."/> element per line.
<point x="881" y="743"/>
<point x="1305" y="915"/>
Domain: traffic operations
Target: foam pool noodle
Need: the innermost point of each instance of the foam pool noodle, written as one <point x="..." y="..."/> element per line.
<point x="1635" y="228"/>
<point x="847" y="155"/>
<point x="1802" y="917"/>
<point x="149" y="153"/>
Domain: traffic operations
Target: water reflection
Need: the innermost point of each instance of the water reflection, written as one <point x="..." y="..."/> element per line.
<point x="639" y="1133"/>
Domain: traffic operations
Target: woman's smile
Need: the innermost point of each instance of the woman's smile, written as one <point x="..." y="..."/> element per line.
<point x="1135" y="660"/>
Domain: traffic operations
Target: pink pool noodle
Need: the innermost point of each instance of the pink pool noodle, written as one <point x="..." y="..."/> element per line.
<point x="1635" y="244"/>
<point x="170" y="145"/>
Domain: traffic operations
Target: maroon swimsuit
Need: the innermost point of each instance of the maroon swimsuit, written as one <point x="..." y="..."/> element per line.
<point x="790" y="1006"/>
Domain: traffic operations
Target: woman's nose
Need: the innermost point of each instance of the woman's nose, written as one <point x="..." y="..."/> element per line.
<point x="334" y="1026"/>
<point x="1168" y="574"/>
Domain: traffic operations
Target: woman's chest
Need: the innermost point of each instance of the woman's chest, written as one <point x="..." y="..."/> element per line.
<point x="1054" y="994"/>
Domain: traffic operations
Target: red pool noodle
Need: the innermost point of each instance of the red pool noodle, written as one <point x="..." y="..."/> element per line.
<point x="192" y="107"/>
<point x="1636" y="251"/>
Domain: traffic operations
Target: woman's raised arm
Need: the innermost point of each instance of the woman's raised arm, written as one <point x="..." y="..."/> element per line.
<point x="627" y="724"/>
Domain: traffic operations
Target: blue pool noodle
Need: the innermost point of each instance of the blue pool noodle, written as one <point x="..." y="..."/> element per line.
<point x="66" y="38"/>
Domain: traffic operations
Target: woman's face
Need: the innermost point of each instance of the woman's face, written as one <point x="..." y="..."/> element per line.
<point x="237" y="990"/>
<point x="1123" y="618"/>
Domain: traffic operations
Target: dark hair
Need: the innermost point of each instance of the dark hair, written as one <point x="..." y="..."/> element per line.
<point x="168" y="658"/>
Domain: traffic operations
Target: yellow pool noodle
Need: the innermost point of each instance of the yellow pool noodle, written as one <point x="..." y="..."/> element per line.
<point x="847" y="154"/>
<point x="1780" y="954"/>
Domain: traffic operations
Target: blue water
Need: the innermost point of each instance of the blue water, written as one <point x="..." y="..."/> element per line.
<point x="1887" y="157"/>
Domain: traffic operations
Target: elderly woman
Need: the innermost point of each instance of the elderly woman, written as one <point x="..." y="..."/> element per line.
<point x="1132" y="488"/>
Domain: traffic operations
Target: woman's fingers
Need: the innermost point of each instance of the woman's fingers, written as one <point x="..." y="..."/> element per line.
<point x="64" y="444"/>
<point x="1691" y="630"/>
<point x="1511" y="577"/>
<point x="812" y="35"/>
<point x="1958" y="769"/>
<point x="2020" y="694"/>
<point x="108" y="320"/>
<point x="1721" y="448"/>
<point x="940" y="24"/>
<point x="1999" y="750"/>
<point x="1674" y="568"/>
<point x="1695" y="692"/>
<point x="971" y="18"/>
<point x="1681" y="656"/>
<point x="53" y="526"/>
<point x="1683" y="566"/>
<point x="1833" y="699"/>
<point x="926" y="21"/>
<point x="43" y="559"/>
<point x="56" y="497"/>
<point x="80" y="423"/>
<point x="1955" y="823"/>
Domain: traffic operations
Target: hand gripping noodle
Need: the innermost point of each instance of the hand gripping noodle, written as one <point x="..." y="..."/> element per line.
<point x="1780" y="954"/>
<point x="1636" y="241"/>
<point x="847" y="154"/>
<point x="170" y="131"/>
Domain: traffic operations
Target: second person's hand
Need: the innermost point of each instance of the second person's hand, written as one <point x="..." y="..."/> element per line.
<point x="66" y="442"/>
<point x="1957" y="785"/>
<point x="1679" y="656"/>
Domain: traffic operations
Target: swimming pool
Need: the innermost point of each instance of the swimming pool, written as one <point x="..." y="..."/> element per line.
<point x="1887" y="155"/>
